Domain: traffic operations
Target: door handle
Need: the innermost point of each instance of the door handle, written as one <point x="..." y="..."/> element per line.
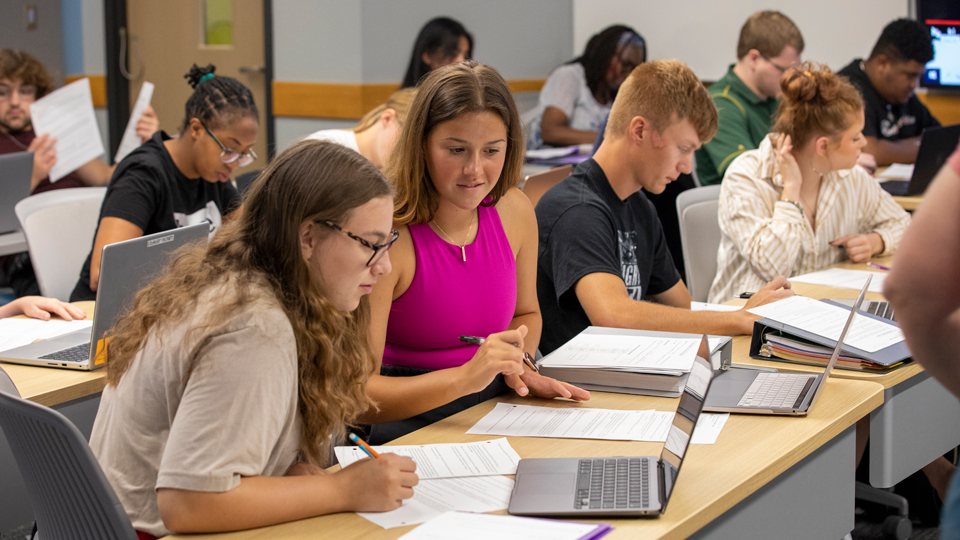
<point x="253" y="69"/>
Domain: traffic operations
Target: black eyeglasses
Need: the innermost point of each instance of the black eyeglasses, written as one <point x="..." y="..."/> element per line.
<point x="228" y="155"/>
<point x="780" y="68"/>
<point x="378" y="249"/>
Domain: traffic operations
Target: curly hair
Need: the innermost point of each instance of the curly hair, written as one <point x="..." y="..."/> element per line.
<point x="600" y="50"/>
<point x="815" y="101"/>
<point x="216" y="101"/>
<point x="903" y="40"/>
<point x="312" y="181"/>
<point x="445" y="94"/>
<point x="24" y="67"/>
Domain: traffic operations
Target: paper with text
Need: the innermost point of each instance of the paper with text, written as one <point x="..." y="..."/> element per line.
<point x="447" y="460"/>
<point x="897" y="171"/>
<point x="434" y="497"/>
<point x="708" y="427"/>
<point x="574" y="423"/>
<point x="130" y="141"/>
<point x="465" y="526"/>
<point x="67" y="115"/>
<point x="827" y="320"/>
<point x="19" y="332"/>
<point x="843" y="279"/>
<point x="634" y="353"/>
<point x="703" y="306"/>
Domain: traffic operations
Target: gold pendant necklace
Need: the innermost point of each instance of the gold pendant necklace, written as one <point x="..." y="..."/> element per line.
<point x="463" y="250"/>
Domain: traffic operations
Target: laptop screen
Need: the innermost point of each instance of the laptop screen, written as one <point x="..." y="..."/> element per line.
<point x="684" y="422"/>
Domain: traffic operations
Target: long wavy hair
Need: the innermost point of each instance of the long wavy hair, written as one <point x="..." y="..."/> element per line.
<point x="312" y="181"/>
<point x="445" y="94"/>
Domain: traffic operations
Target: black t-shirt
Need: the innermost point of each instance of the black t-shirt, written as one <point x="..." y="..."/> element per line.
<point x="148" y="190"/>
<point x="888" y="121"/>
<point x="586" y="228"/>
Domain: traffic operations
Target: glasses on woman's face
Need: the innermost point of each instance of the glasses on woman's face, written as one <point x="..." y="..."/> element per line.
<point x="228" y="155"/>
<point x="378" y="249"/>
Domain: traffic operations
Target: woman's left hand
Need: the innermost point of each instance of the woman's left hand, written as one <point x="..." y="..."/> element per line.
<point x="860" y="247"/>
<point x="547" y="388"/>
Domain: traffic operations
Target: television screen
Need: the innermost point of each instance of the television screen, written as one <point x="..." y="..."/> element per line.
<point x="942" y="18"/>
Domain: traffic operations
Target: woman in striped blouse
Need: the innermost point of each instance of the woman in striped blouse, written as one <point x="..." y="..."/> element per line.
<point x="799" y="203"/>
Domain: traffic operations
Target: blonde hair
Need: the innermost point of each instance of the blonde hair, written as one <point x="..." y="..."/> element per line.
<point x="657" y="91"/>
<point x="769" y="32"/>
<point x="445" y="94"/>
<point x="312" y="181"/>
<point x="399" y="101"/>
<point x="815" y="101"/>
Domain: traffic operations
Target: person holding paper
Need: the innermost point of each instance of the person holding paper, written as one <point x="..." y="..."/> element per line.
<point x="800" y="203"/>
<point x="238" y="367"/>
<point x="923" y="288"/>
<point x="603" y="258"/>
<point x="464" y="263"/>
<point x="39" y="307"/>
<point x="175" y="182"/>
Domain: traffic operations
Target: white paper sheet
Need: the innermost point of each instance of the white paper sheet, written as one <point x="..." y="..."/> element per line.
<point x="708" y="427"/>
<point x="626" y="352"/>
<point x="827" y="321"/>
<point x="897" y="171"/>
<point x="447" y="460"/>
<point x="465" y="526"/>
<point x="844" y="279"/>
<point x="704" y="306"/>
<point x="574" y="423"/>
<point x="130" y="141"/>
<point x="19" y="332"/>
<point x="434" y="497"/>
<point x="67" y="115"/>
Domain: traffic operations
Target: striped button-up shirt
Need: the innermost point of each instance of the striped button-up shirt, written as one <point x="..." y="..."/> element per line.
<point x="764" y="237"/>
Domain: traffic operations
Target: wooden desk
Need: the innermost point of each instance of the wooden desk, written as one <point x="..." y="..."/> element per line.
<point x="50" y="386"/>
<point x="909" y="203"/>
<point x="725" y="490"/>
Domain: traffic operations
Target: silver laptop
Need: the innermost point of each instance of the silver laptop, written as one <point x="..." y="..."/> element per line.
<point x="880" y="308"/>
<point x="764" y="392"/>
<point x="125" y="268"/>
<point x="15" y="172"/>
<point x="615" y="486"/>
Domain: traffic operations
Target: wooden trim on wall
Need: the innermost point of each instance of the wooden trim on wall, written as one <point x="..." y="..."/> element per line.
<point x="945" y="107"/>
<point x="332" y="100"/>
<point x="98" y="88"/>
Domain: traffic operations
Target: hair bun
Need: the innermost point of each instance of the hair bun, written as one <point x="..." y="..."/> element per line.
<point x="197" y="74"/>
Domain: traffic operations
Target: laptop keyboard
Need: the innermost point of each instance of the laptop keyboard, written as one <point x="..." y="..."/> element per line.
<point x="775" y="390"/>
<point x="79" y="353"/>
<point x="611" y="483"/>
<point x="880" y="309"/>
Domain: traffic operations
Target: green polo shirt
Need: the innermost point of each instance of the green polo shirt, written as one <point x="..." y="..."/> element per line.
<point x="744" y="122"/>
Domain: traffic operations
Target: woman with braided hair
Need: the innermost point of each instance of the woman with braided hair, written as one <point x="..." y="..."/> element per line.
<point x="175" y="182"/>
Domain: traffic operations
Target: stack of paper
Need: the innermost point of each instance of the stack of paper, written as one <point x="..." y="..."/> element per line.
<point x="464" y="526"/>
<point x="843" y="279"/>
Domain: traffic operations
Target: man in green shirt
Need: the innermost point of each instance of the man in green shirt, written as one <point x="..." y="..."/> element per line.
<point x="747" y="96"/>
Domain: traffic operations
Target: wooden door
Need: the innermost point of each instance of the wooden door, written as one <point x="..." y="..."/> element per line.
<point x="166" y="37"/>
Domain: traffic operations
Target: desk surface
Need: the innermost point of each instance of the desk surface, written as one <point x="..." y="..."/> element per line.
<point x="752" y="449"/>
<point x="51" y="386"/>
<point x="909" y="203"/>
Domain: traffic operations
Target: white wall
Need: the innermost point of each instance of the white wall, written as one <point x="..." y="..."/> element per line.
<point x="703" y="33"/>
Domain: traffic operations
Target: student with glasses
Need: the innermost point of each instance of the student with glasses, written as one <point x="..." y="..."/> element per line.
<point x="175" y="182"/>
<point x="577" y="95"/>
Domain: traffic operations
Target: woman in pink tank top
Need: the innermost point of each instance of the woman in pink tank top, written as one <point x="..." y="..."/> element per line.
<point x="465" y="262"/>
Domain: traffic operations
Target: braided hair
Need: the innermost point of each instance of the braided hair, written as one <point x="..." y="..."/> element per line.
<point x="216" y="101"/>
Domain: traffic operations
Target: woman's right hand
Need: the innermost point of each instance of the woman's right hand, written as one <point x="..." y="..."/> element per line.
<point x="378" y="485"/>
<point x="44" y="158"/>
<point x="500" y="353"/>
<point x="789" y="169"/>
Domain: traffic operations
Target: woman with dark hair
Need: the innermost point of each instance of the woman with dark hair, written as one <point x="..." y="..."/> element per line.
<point x="168" y="183"/>
<point x="577" y="95"/>
<point x="440" y="42"/>
<point x="240" y="366"/>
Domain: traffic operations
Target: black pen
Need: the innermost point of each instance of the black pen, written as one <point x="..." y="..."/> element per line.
<point x="479" y="341"/>
<point x="745" y="295"/>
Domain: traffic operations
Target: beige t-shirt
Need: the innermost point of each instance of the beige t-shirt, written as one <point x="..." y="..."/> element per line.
<point x="235" y="416"/>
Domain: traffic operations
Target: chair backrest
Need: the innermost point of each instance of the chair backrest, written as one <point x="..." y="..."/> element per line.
<point x="535" y="185"/>
<point x="245" y="180"/>
<point x="6" y="384"/>
<point x="700" y="237"/>
<point x="59" y="226"/>
<point x="71" y="497"/>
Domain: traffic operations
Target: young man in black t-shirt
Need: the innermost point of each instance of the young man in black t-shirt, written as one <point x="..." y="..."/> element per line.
<point x="602" y="258"/>
<point x="894" y="117"/>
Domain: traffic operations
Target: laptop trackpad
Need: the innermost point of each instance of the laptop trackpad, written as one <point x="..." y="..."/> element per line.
<point x="545" y="483"/>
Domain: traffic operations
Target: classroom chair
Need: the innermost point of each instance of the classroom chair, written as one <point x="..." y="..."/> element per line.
<point x="71" y="497"/>
<point x="699" y="238"/>
<point x="59" y="227"/>
<point x="535" y="185"/>
<point x="245" y="180"/>
<point x="6" y="384"/>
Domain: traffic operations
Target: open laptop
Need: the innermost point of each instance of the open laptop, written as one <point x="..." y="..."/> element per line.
<point x="764" y="392"/>
<point x="615" y="486"/>
<point x="125" y="268"/>
<point x="880" y="308"/>
<point x="936" y="145"/>
<point x="15" y="172"/>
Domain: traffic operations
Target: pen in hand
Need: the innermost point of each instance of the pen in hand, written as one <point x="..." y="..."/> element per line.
<point x="526" y="356"/>
<point x="877" y="266"/>
<point x="363" y="445"/>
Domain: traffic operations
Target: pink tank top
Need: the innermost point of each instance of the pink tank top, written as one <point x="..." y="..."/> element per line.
<point x="449" y="298"/>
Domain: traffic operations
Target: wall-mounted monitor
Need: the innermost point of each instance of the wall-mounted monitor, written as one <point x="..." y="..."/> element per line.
<point x="942" y="18"/>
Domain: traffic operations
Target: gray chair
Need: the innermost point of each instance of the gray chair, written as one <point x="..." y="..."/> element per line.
<point x="700" y="237"/>
<point x="71" y="497"/>
<point x="6" y="384"/>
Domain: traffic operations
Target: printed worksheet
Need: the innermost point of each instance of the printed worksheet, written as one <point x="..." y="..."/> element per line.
<point x="67" y="115"/>
<point x="447" y="460"/>
<point x="130" y="141"/>
<point x="611" y="351"/>
<point x="574" y="423"/>
<point x="843" y="279"/>
<point x="434" y="497"/>
<point x="464" y="526"/>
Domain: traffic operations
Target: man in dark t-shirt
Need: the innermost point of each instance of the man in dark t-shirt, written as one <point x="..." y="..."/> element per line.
<point x="603" y="259"/>
<point x="894" y="117"/>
